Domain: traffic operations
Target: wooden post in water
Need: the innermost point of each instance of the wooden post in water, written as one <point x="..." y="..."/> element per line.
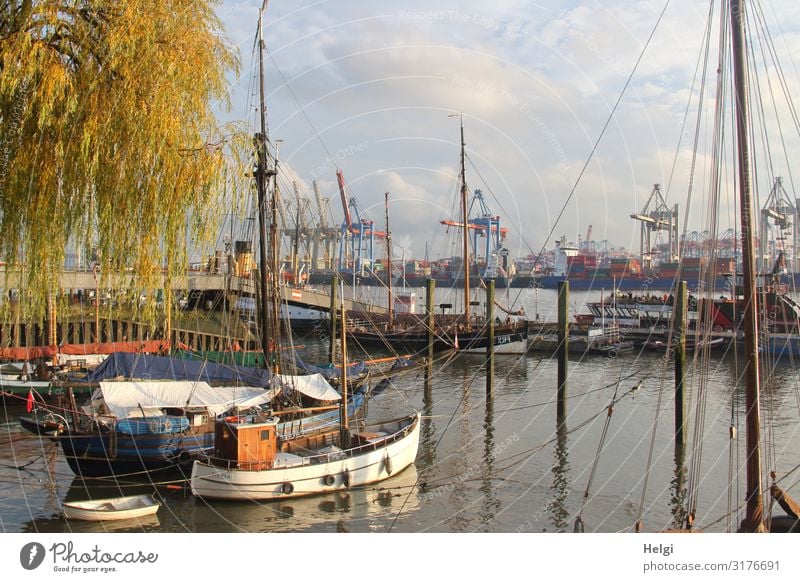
<point x="489" y="337"/>
<point x="680" y="309"/>
<point x="332" y="348"/>
<point x="563" y="350"/>
<point x="430" y="287"/>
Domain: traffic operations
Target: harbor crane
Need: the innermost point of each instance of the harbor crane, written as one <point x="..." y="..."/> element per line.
<point x="778" y="212"/>
<point x="655" y="217"/>
<point x="360" y="233"/>
<point x="486" y="225"/>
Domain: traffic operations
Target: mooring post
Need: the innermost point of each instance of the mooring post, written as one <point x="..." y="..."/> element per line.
<point x="489" y="337"/>
<point x="332" y="329"/>
<point x="430" y="287"/>
<point x="680" y="363"/>
<point x="563" y="350"/>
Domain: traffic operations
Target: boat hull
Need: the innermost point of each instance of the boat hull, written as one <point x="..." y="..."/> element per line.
<point x="115" y="509"/>
<point x="512" y="340"/>
<point x="102" y="454"/>
<point x="112" y="453"/>
<point x="361" y="466"/>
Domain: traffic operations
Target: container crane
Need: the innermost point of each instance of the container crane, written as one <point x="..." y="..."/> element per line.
<point x="360" y="233"/>
<point x="779" y="211"/>
<point x="660" y="217"/>
<point x="485" y="225"/>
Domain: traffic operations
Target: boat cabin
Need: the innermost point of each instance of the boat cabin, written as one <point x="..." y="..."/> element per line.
<point x="247" y="446"/>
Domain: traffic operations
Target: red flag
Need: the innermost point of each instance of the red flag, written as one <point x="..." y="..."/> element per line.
<point x="29" y="404"/>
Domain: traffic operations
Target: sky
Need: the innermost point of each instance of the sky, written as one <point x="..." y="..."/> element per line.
<point x="370" y="88"/>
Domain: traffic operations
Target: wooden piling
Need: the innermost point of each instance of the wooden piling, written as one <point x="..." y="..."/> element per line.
<point x="430" y="287"/>
<point x="489" y="337"/>
<point x="563" y="350"/>
<point x="680" y="363"/>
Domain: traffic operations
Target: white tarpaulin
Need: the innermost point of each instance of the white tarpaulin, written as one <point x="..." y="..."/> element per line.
<point x="128" y="398"/>
<point x="313" y="385"/>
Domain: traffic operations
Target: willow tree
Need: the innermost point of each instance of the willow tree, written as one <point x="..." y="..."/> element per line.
<point x="107" y="134"/>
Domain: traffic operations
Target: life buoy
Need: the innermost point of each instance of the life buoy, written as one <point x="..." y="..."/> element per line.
<point x="346" y="478"/>
<point x="329" y="480"/>
<point x="287" y="488"/>
<point x="232" y="419"/>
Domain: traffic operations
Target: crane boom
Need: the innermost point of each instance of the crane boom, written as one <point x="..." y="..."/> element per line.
<point x="345" y="206"/>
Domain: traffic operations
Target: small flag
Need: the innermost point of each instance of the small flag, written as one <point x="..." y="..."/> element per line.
<point x="29" y="404"/>
<point x="455" y="343"/>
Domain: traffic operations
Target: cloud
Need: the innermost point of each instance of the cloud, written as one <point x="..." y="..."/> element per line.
<point x="372" y="86"/>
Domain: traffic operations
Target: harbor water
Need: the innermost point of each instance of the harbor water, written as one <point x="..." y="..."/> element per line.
<point x="487" y="465"/>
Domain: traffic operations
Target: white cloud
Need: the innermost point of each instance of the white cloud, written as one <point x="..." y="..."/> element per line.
<point x="535" y="81"/>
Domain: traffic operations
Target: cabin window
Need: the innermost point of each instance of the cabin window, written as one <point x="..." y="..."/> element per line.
<point x="265" y="435"/>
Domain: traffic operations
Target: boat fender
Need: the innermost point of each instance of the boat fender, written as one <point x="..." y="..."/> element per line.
<point x="287" y="488"/>
<point x="184" y="458"/>
<point x="387" y="464"/>
<point x="329" y="480"/>
<point x="167" y="425"/>
<point x="346" y="478"/>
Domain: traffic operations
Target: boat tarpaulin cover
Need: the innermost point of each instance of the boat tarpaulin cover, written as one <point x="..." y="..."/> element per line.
<point x="313" y="385"/>
<point x="147" y="367"/>
<point x="126" y="399"/>
<point x="331" y="372"/>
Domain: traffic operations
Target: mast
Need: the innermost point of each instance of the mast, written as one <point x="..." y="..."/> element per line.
<point x="345" y="427"/>
<point x="275" y="292"/>
<point x="465" y="238"/>
<point x="263" y="175"/>
<point x="753" y="521"/>
<point x="388" y="259"/>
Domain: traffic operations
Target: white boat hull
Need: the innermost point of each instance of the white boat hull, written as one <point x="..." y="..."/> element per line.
<point x="111" y="509"/>
<point x="303" y="477"/>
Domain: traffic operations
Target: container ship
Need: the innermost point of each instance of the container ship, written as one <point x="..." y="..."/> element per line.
<point x="588" y="271"/>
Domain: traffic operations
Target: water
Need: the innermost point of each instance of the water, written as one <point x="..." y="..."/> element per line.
<point x="497" y="466"/>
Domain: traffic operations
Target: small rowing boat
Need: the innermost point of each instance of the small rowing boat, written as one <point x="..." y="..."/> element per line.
<point x="111" y="509"/>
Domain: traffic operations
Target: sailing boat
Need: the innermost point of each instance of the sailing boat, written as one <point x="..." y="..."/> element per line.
<point x="252" y="462"/>
<point x="754" y="517"/>
<point x="754" y="509"/>
<point x="465" y="333"/>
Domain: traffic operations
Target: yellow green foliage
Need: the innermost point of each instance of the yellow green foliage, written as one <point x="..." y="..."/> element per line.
<point x="107" y="134"/>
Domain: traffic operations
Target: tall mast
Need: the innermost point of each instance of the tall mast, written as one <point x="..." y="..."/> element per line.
<point x="264" y="175"/>
<point x="274" y="253"/>
<point x="388" y="259"/>
<point x="465" y="238"/>
<point x="753" y="520"/>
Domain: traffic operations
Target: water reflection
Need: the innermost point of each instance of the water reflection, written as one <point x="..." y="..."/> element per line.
<point x="491" y="504"/>
<point x="426" y="457"/>
<point x="460" y="520"/>
<point x="363" y="509"/>
<point x="560" y="487"/>
<point x="678" y="489"/>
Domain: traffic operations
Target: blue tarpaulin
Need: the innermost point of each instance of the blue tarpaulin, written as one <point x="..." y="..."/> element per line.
<point x="147" y="367"/>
